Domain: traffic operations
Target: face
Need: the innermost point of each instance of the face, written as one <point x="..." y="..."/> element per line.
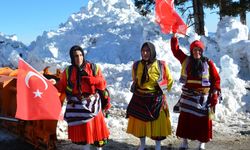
<point x="78" y="57"/>
<point x="197" y="52"/>
<point x="145" y="53"/>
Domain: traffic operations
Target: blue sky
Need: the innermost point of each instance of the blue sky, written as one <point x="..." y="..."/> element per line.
<point x="29" y="18"/>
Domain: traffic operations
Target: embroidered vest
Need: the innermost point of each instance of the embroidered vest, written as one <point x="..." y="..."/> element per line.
<point x="162" y="81"/>
<point x="205" y="74"/>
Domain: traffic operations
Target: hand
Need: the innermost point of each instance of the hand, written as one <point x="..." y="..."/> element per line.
<point x="214" y="99"/>
<point x="174" y="35"/>
<point x="53" y="81"/>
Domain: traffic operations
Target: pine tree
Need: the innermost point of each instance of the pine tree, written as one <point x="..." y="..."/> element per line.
<point x="145" y="6"/>
<point x="230" y="8"/>
<point x="196" y="17"/>
<point x="199" y="17"/>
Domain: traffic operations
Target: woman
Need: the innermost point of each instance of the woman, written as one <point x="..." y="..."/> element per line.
<point x="147" y="112"/>
<point x="80" y="81"/>
<point x="200" y="92"/>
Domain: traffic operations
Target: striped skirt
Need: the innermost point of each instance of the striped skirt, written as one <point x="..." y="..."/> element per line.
<point x="194" y="122"/>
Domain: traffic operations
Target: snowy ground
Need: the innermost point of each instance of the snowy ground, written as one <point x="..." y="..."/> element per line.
<point x="232" y="136"/>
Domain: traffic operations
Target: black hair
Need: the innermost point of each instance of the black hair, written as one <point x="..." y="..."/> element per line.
<point x="71" y="53"/>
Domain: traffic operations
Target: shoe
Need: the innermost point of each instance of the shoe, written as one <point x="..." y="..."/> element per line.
<point x="201" y="146"/>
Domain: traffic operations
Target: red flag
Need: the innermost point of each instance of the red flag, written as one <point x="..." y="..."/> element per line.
<point x="37" y="98"/>
<point x="168" y="18"/>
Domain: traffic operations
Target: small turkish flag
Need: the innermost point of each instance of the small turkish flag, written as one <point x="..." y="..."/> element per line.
<point x="168" y="18"/>
<point x="37" y="98"/>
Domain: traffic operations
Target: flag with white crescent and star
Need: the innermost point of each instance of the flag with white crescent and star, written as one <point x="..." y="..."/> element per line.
<point x="37" y="98"/>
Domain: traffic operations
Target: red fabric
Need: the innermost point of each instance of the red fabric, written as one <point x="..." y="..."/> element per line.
<point x="197" y="43"/>
<point x="94" y="130"/>
<point x="37" y="98"/>
<point x="97" y="81"/>
<point x="194" y="128"/>
<point x="214" y="100"/>
<point x="168" y="18"/>
<point x="93" y="80"/>
<point x="214" y="77"/>
<point x="86" y="87"/>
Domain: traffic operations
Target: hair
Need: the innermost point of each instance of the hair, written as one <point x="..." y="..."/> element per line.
<point x="71" y="53"/>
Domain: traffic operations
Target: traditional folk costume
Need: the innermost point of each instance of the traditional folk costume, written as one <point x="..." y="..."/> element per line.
<point x="86" y="124"/>
<point x="196" y="99"/>
<point x="147" y="112"/>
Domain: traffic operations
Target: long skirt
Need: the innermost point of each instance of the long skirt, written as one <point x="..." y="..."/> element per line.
<point x="157" y="129"/>
<point x="92" y="132"/>
<point x="194" y="127"/>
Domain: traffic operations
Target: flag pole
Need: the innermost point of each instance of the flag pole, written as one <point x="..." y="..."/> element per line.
<point x="8" y="118"/>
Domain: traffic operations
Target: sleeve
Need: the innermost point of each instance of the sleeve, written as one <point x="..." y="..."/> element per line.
<point x="177" y="52"/>
<point x="214" y="77"/>
<point x="102" y="82"/>
<point x="134" y="69"/>
<point x="62" y="83"/>
<point x="169" y="77"/>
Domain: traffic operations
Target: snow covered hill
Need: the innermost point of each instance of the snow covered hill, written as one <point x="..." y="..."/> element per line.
<point x="10" y="49"/>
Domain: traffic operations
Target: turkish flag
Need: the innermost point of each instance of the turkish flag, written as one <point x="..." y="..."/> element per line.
<point x="168" y="19"/>
<point x="37" y="98"/>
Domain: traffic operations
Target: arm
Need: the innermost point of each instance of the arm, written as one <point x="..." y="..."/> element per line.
<point x="215" y="89"/>
<point x="177" y="52"/>
<point x="214" y="77"/>
<point x="169" y="78"/>
<point x="96" y="80"/>
<point x="62" y="83"/>
<point x="101" y="84"/>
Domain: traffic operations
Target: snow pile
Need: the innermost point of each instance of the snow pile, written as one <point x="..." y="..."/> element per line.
<point x="232" y="38"/>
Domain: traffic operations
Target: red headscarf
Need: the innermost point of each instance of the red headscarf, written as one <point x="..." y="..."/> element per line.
<point x="197" y="43"/>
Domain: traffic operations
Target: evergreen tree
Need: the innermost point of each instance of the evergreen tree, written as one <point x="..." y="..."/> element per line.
<point x="199" y="17"/>
<point x="230" y="8"/>
<point x="244" y="7"/>
<point x="194" y="17"/>
<point x="145" y="6"/>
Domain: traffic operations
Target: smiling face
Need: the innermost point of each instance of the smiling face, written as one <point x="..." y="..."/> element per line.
<point x="78" y="57"/>
<point x="197" y="52"/>
<point x="145" y="53"/>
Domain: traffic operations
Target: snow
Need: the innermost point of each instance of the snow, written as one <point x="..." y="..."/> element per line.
<point x="112" y="32"/>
